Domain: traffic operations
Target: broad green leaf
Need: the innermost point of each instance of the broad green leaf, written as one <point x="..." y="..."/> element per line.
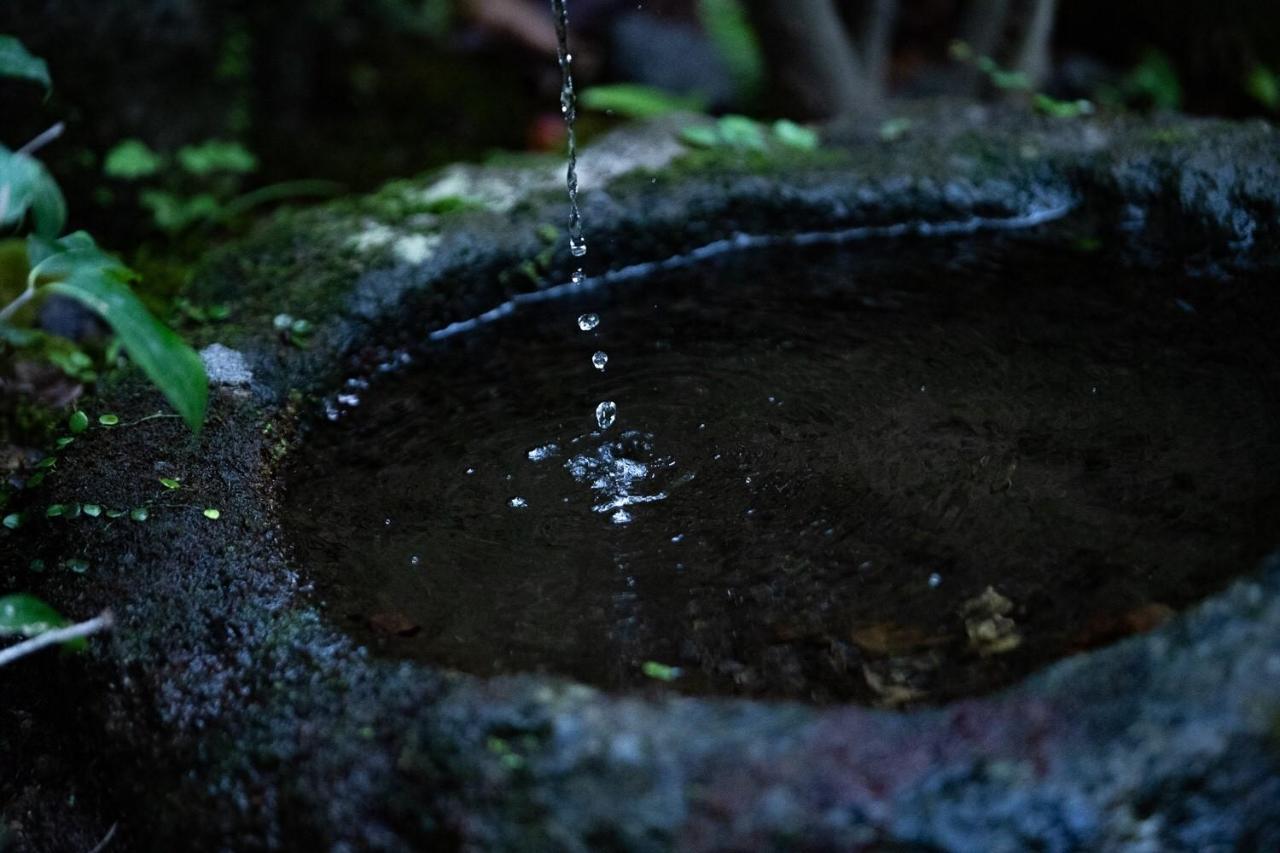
<point x="130" y="160"/>
<point x="78" y="422"/>
<point x="27" y="616"/>
<point x="216" y="155"/>
<point x="16" y="61"/>
<point x="99" y="282"/>
<point x="632" y="100"/>
<point x="25" y="185"/>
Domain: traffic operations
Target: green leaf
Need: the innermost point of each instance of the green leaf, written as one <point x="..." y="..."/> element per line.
<point x="139" y="513"/>
<point x="55" y="510"/>
<point x="212" y="514"/>
<point x="660" y="671"/>
<point x="108" y="419"/>
<point x="78" y="422"/>
<point x="700" y="136"/>
<point x="170" y="483"/>
<point x="16" y="61"/>
<point x="741" y="132"/>
<point x="1264" y="85"/>
<point x="92" y="510"/>
<point x="795" y="136"/>
<point x="632" y="100"/>
<point x="130" y="160"/>
<point x="25" y="185"/>
<point x="216" y="155"/>
<point x="78" y="566"/>
<point x="13" y="520"/>
<point x="26" y="615"/>
<point x="98" y="281"/>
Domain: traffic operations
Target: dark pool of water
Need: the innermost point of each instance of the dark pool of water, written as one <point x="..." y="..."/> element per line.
<point x="822" y="461"/>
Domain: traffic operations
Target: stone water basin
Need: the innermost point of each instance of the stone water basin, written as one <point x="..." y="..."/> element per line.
<point x="287" y="678"/>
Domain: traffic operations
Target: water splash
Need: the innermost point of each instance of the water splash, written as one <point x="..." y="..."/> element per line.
<point x="606" y="414"/>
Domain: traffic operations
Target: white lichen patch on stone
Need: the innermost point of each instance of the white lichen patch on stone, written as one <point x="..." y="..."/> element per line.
<point x="374" y="236"/>
<point x="408" y="247"/>
<point x="498" y="189"/>
<point x="225" y="366"/>
<point x="416" y="248"/>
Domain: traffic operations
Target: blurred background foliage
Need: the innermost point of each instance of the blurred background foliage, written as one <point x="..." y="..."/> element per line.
<point x="187" y="119"/>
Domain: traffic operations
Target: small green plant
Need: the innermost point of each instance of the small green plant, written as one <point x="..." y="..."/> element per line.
<point x="740" y="133"/>
<point x="1263" y="85"/>
<point x="1019" y="82"/>
<point x="1151" y="84"/>
<point x="73" y="266"/>
<point x="200" y="185"/>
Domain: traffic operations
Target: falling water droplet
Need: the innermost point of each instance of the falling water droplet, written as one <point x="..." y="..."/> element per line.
<point x="599" y="360"/>
<point x="577" y="246"/>
<point x="518" y="503"/>
<point x="935" y="580"/>
<point x="587" y="322"/>
<point x="577" y="277"/>
<point x="606" y="414"/>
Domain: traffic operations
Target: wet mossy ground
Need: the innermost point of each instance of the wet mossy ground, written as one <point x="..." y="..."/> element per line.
<point x="223" y="713"/>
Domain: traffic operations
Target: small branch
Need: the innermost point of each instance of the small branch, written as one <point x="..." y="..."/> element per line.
<point x="43" y="139"/>
<point x="155" y="417"/>
<point x="106" y="839"/>
<point x="877" y="40"/>
<point x="1033" y="55"/>
<point x="57" y="636"/>
<point x="22" y="299"/>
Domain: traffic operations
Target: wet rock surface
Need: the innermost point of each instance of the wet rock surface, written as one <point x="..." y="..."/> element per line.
<point x="224" y="713"/>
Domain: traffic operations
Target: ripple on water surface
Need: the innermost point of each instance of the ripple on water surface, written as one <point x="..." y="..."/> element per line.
<point x="888" y="474"/>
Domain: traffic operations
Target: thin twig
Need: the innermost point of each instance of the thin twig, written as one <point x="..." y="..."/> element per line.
<point x="106" y="839"/>
<point x="43" y="139"/>
<point x="22" y="299"/>
<point x="156" y="416"/>
<point x="101" y="622"/>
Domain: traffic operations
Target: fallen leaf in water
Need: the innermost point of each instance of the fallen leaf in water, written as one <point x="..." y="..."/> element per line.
<point x="886" y="638"/>
<point x="394" y="623"/>
<point x="1110" y="627"/>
